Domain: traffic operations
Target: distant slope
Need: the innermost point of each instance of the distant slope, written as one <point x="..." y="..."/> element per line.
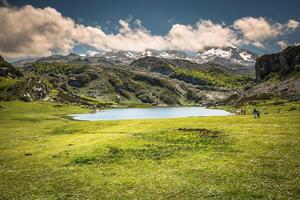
<point x="209" y="74"/>
<point x="154" y="63"/>
<point x="24" y="62"/>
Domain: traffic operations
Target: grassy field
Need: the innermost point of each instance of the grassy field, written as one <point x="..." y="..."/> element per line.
<point x="45" y="155"/>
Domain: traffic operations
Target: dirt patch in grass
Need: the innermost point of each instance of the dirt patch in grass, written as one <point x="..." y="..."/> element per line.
<point x="192" y="137"/>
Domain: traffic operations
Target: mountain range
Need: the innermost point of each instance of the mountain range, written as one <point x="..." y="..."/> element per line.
<point x="211" y="76"/>
<point x="231" y="58"/>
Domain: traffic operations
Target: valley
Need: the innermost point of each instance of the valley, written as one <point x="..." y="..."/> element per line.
<point x="149" y="100"/>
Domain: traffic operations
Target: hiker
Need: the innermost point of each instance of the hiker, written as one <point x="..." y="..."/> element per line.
<point x="254" y="113"/>
<point x="258" y="113"/>
<point x="242" y="111"/>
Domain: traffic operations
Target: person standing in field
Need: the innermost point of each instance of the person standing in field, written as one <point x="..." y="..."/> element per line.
<point x="254" y="112"/>
<point x="244" y="111"/>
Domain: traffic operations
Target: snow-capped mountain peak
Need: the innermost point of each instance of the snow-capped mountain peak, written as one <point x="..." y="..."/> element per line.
<point x="229" y="57"/>
<point x="225" y="56"/>
<point x="246" y="56"/>
<point x="147" y="53"/>
<point x="215" y="52"/>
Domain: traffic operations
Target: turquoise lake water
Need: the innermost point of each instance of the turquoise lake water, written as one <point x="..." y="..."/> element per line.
<point x="150" y="113"/>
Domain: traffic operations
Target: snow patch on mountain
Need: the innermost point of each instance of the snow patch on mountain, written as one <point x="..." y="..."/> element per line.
<point x="216" y="53"/>
<point x="147" y="53"/>
<point x="229" y="57"/>
<point x="226" y="56"/>
<point x="211" y="54"/>
<point x="246" y="56"/>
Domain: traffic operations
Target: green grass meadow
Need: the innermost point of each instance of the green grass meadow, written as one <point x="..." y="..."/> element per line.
<point x="46" y="155"/>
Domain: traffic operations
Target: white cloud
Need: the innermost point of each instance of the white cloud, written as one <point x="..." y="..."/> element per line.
<point x="293" y="24"/>
<point x="257" y="30"/>
<point x="282" y="44"/>
<point x="30" y="31"/>
<point x="34" y="31"/>
<point x="204" y="34"/>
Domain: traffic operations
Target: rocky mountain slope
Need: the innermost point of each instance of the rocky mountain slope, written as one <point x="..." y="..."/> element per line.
<point x="238" y="60"/>
<point x="278" y="76"/>
<point x="130" y="85"/>
<point x="283" y="63"/>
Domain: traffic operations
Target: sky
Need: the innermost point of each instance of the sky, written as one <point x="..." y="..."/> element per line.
<point x="33" y="28"/>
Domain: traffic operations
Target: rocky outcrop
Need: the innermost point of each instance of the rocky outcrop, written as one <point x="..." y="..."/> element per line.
<point x="283" y="63"/>
<point x="34" y="89"/>
<point x="7" y="70"/>
<point x="29" y="89"/>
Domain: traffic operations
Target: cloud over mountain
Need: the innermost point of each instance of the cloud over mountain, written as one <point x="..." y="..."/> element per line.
<point x="257" y="30"/>
<point x="282" y="44"/>
<point x="204" y="34"/>
<point x="30" y="31"/>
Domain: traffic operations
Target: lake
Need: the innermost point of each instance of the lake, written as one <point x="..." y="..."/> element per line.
<point x="150" y="113"/>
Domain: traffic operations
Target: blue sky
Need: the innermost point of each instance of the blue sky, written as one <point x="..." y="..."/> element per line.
<point x="158" y="17"/>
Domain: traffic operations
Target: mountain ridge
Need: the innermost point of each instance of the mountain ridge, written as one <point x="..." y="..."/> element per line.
<point x="232" y="58"/>
<point x="158" y="81"/>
